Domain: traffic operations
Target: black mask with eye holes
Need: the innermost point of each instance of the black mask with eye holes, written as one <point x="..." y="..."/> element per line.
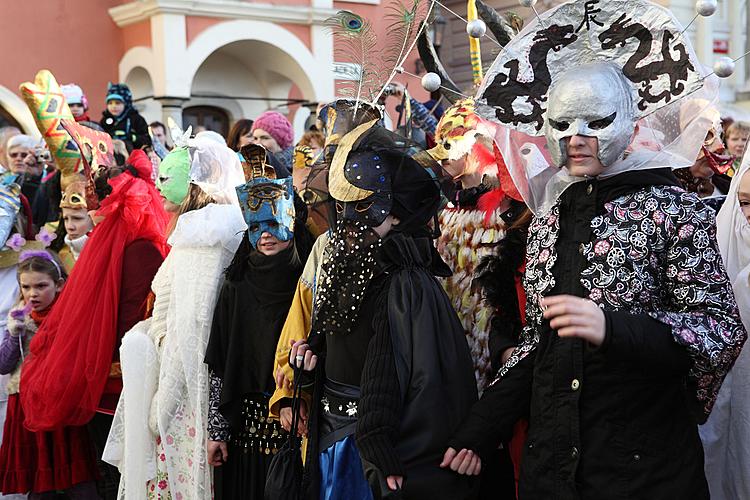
<point x="368" y="170"/>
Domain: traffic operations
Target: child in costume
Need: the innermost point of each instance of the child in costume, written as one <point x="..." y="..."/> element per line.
<point x="73" y="376"/>
<point x="395" y="377"/>
<point x="335" y="119"/>
<point x="39" y="462"/>
<point x="251" y="309"/>
<point x="77" y="223"/>
<point x="121" y="120"/>
<point x="631" y="324"/>
<point x="158" y="440"/>
<point x="726" y="434"/>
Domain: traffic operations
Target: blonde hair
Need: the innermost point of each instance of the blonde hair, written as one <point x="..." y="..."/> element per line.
<point x="310" y="137"/>
<point x="195" y="200"/>
<point x="739" y="128"/>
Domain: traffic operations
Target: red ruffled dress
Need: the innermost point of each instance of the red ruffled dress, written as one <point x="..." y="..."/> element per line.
<point x="42" y="461"/>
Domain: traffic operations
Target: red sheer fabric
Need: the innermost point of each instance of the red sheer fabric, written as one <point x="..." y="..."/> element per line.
<point x="64" y="376"/>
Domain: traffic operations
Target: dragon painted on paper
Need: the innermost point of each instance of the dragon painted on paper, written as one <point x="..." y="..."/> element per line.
<point x="504" y="89"/>
<point x="677" y="69"/>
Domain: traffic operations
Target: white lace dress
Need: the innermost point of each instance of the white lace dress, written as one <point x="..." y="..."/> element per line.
<point x="158" y="438"/>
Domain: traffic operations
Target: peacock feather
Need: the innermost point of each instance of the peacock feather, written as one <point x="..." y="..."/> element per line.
<point x="378" y="63"/>
<point x="356" y="39"/>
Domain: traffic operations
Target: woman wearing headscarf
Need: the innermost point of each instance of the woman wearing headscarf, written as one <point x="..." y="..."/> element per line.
<point x="631" y="324"/>
<point x="726" y="434"/>
<point x="252" y="307"/>
<point x="158" y="440"/>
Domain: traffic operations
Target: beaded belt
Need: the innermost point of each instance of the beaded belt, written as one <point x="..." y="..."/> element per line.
<point x="260" y="433"/>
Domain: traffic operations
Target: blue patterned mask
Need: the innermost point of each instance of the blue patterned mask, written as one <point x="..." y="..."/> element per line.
<point x="268" y="207"/>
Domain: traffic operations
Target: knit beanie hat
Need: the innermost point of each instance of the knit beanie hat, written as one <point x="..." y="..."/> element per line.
<point x="74" y="95"/>
<point x="277" y="125"/>
<point x="119" y="92"/>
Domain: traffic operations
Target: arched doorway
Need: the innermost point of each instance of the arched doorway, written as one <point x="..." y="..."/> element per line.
<point x="7" y="120"/>
<point x="210" y="117"/>
<point x="139" y="81"/>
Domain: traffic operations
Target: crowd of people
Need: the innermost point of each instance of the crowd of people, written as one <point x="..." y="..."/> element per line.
<point x="477" y="301"/>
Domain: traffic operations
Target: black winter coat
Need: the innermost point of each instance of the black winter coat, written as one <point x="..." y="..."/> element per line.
<point x="131" y="128"/>
<point x="618" y="421"/>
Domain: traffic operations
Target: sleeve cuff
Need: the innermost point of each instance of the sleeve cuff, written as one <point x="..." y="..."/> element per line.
<point x="378" y="449"/>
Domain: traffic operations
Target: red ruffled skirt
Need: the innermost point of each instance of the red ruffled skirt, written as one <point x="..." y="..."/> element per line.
<point x="42" y="461"/>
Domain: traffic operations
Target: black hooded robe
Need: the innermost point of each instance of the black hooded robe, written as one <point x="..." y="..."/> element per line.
<point x="248" y="319"/>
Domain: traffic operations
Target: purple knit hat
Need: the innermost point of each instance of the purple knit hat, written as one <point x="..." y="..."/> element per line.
<point x="277" y="125"/>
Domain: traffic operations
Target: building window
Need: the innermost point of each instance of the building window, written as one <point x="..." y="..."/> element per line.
<point x="208" y="117"/>
<point x="7" y="120"/>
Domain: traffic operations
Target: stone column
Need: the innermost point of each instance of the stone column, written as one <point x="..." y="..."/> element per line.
<point x="171" y="107"/>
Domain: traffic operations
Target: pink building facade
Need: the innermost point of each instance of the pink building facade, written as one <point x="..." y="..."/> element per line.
<point x="204" y="62"/>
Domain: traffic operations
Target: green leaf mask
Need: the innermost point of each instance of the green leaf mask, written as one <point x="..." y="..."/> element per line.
<point x="174" y="175"/>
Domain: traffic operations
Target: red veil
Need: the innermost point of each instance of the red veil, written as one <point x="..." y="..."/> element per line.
<point x="64" y="376"/>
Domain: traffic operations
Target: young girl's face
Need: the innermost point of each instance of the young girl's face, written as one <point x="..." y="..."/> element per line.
<point x="115" y="107"/>
<point x="743" y="195"/>
<point x="269" y="244"/>
<point x="77" y="222"/>
<point x="77" y="109"/>
<point x="38" y="289"/>
<point x="736" y="144"/>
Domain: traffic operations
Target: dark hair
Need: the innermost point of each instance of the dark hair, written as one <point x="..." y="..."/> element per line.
<point x="240" y="128"/>
<point x="60" y="233"/>
<point x="155" y="124"/>
<point x="54" y="191"/>
<point x="52" y="268"/>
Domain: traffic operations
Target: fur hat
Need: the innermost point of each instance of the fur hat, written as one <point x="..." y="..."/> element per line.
<point x="277" y="125"/>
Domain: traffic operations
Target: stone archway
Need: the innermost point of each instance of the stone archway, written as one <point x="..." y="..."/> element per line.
<point x="268" y="46"/>
<point x="16" y="109"/>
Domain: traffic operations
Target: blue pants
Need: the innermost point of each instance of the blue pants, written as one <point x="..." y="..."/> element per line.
<point x="341" y="475"/>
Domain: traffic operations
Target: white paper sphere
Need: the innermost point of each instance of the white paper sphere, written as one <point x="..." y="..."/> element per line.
<point x="431" y="82"/>
<point x="706" y="7"/>
<point x="476" y="28"/>
<point x="724" y="67"/>
<point x="527" y="3"/>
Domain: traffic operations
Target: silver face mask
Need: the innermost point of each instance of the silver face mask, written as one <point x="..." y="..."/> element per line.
<point x="593" y="100"/>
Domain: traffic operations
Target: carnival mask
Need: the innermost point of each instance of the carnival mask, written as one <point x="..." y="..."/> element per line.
<point x="456" y="133"/>
<point x="592" y="101"/>
<point x="338" y="119"/>
<point x="174" y="175"/>
<point x="74" y="196"/>
<point x="367" y="171"/>
<point x="268" y="207"/>
<point x="97" y="156"/>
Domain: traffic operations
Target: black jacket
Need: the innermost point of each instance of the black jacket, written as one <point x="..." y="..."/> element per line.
<point x="618" y="421"/>
<point x="130" y="127"/>
<point x="409" y="356"/>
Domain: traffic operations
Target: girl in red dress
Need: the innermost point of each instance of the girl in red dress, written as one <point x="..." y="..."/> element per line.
<point x="39" y="463"/>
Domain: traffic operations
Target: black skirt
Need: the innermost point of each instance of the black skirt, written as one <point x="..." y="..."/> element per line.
<point x="251" y="449"/>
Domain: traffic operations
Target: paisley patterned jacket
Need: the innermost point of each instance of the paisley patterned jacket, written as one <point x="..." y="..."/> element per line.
<point x="653" y="251"/>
